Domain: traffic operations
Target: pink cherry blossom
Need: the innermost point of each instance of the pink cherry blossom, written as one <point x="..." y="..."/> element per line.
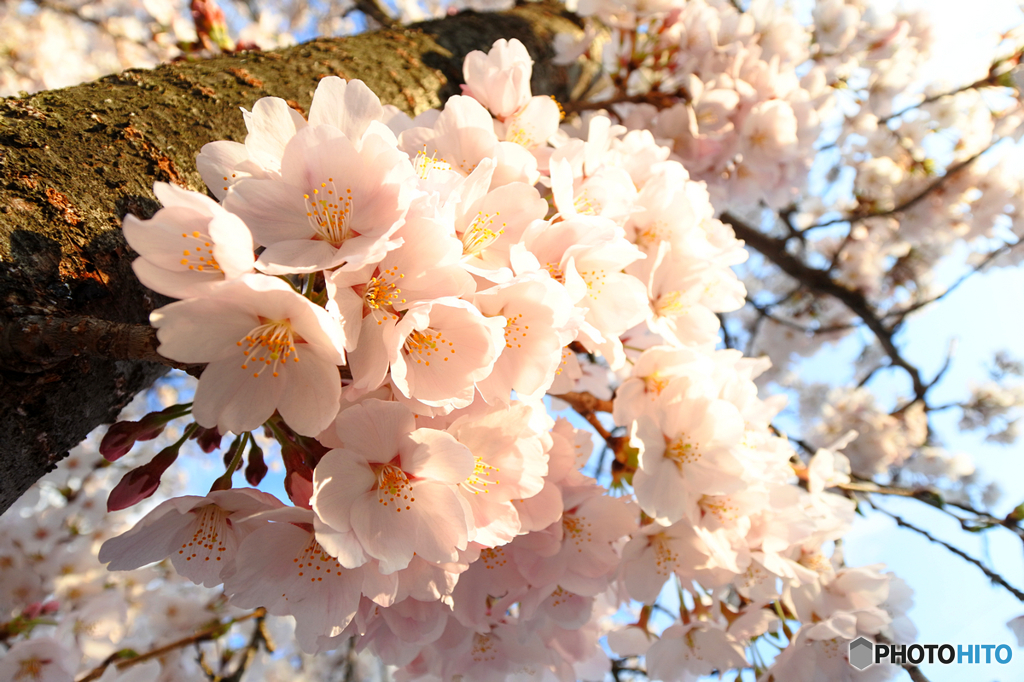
<point x="541" y="320"/>
<point x="349" y="106"/>
<point x="509" y="463"/>
<point x="41" y="659"/>
<point x="651" y="374"/>
<point x="532" y="126"/>
<point x="335" y="204"/>
<point x="270" y="124"/>
<point x="587" y="255"/>
<point x="489" y="223"/>
<point x="268" y="349"/>
<point x="424" y="268"/>
<point x="190" y="243"/>
<point x="685" y="452"/>
<point x="685" y="653"/>
<point x="296" y="577"/>
<point x="463" y="136"/>
<point x="584" y="554"/>
<point x="394" y="486"/>
<point x="200" y="535"/>
<point x="499" y="79"/>
<point x="440" y="349"/>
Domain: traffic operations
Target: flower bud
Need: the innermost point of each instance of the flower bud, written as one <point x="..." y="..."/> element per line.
<point x="140" y="483"/>
<point x="256" y="469"/>
<point x="122" y="436"/>
<point x="211" y="25"/>
<point x="208" y="439"/>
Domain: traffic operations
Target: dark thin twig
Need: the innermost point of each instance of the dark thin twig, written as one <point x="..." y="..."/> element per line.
<point x="909" y="203"/>
<point x="934" y="499"/>
<point x="210" y="633"/>
<point x="991" y="80"/>
<point x="376" y="11"/>
<point x="989" y="573"/>
<point x="774" y="250"/>
<point x="727" y="339"/>
<point x="900" y="314"/>
<point x="765" y="310"/>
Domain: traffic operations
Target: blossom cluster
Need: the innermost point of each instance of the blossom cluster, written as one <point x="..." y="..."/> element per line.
<point x="64" y="617"/>
<point x="812" y="128"/>
<point x="391" y="299"/>
<point x="747" y="123"/>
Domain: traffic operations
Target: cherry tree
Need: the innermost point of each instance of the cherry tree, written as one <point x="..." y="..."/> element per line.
<point x="511" y="313"/>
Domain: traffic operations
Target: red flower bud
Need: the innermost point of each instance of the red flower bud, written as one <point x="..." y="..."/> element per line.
<point x="208" y="439"/>
<point x="140" y="483"/>
<point x="256" y="469"/>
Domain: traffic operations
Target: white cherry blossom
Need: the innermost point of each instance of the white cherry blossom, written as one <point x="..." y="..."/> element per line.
<point x="394" y="486"/>
<point x="267" y="349"/>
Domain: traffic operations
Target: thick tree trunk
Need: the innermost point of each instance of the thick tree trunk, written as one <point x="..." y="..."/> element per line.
<point x="73" y="162"/>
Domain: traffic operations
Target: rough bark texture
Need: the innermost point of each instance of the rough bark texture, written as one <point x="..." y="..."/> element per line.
<point x="73" y="162"/>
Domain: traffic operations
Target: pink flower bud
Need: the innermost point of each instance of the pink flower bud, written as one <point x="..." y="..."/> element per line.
<point x="140" y="483"/>
<point x="298" y="482"/>
<point x="118" y="440"/>
<point x="121" y="436"/>
<point x="211" y="25"/>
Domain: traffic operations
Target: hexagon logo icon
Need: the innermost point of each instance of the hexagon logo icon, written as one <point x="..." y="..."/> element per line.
<point x="862" y="653"/>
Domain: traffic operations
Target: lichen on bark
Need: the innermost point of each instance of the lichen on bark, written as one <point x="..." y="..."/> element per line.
<point x="74" y="161"/>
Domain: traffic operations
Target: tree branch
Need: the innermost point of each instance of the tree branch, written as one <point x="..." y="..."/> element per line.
<point x="910" y="202"/>
<point x="934" y="498"/>
<point x="989" y="573"/>
<point x="820" y="281"/>
<point x="985" y="262"/>
<point x="765" y="311"/>
<point x="34" y="343"/>
<point x="990" y="80"/>
<point x="206" y="634"/>
<point x="587" y="406"/>
<point x="376" y="11"/>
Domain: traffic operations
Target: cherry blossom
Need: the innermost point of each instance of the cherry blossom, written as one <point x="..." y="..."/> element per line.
<point x="531" y="356"/>
<point x="424" y="283"/>
<point x="199" y="534"/>
<point x="335" y="204"/>
<point x="463" y="136"/>
<point x="394" y="486"/>
<point x="190" y="243"/>
<point x="440" y="348"/>
<point x="686" y="652"/>
<point x="42" y="659"/>
<point x="268" y="349"/>
<point x="298" y="578"/>
<point x="500" y="78"/>
<point x="684" y="452"/>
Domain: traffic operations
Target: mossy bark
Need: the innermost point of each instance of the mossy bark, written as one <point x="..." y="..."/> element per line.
<point x="73" y="162"/>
